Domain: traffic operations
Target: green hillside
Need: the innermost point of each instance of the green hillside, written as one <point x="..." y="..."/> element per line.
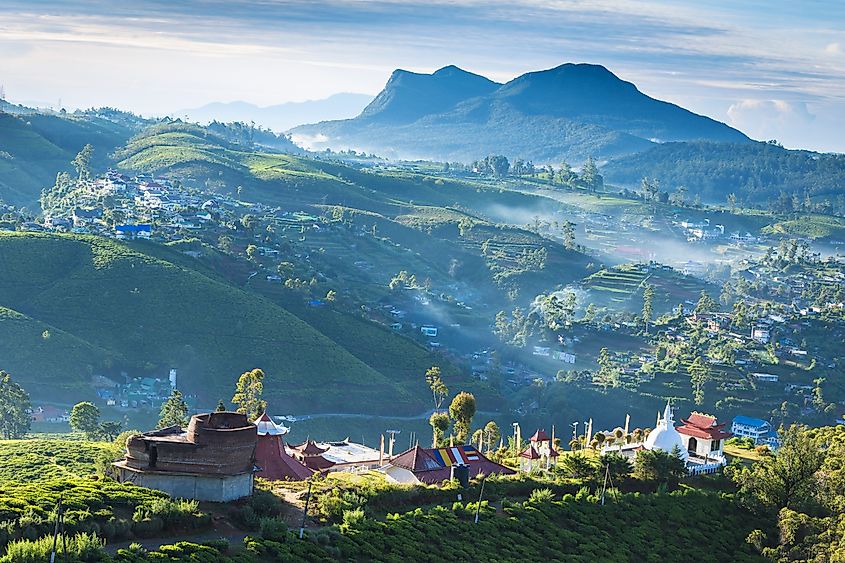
<point x="108" y="306"/>
<point x="35" y="147"/>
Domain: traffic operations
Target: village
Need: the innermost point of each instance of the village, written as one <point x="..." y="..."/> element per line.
<point x="219" y="454"/>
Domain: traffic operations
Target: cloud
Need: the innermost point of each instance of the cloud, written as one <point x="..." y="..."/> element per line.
<point x="769" y="119"/>
<point x="834" y="49"/>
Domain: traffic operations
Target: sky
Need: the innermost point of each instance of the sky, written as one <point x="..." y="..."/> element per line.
<point x="774" y="69"/>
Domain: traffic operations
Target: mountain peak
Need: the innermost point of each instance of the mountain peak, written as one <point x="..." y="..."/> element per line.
<point x="407" y="96"/>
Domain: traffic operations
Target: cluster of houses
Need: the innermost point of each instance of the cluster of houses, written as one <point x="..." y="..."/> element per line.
<point x="700" y="230"/>
<point x="119" y="206"/>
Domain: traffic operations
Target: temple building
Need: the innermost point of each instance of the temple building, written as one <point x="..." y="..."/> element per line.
<point x="434" y="465"/>
<point x="540" y="453"/>
<point x="665" y="437"/>
<point x="702" y="436"/>
<point x="212" y="460"/>
<point x="271" y="458"/>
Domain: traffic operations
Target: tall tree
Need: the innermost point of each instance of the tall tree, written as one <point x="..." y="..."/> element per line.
<point x="85" y="418"/>
<point x="82" y="162"/>
<point x="461" y="412"/>
<point x="439" y="422"/>
<point x="491" y="434"/>
<point x="248" y="394"/>
<point x="568" y="231"/>
<point x="706" y="304"/>
<point x="590" y="176"/>
<point x="648" y="305"/>
<point x="439" y="391"/>
<point x="787" y="478"/>
<point x="15" y="408"/>
<point x="174" y="411"/>
<point x="699" y="373"/>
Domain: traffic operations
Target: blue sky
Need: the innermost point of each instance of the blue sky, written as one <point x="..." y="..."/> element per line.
<point x="773" y="69"/>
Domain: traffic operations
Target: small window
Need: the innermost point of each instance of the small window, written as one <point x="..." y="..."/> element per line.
<point x="715" y="445"/>
<point x="153" y="455"/>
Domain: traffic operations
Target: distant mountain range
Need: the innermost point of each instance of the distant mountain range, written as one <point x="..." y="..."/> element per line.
<point x="568" y="112"/>
<point x="280" y="117"/>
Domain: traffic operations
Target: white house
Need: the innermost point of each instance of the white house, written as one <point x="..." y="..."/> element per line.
<point x="755" y="428"/>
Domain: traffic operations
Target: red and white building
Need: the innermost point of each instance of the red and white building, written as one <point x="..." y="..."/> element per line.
<point x="703" y="436"/>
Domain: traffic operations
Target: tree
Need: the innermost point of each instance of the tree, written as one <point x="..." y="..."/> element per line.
<point x="492" y="434"/>
<point x="590" y="176"/>
<point x="439" y="422"/>
<point x="608" y="374"/>
<point x="221" y="406"/>
<point x="461" y="412"/>
<point x="110" y="430"/>
<point x="577" y="465"/>
<point x="248" y="392"/>
<point x="568" y="230"/>
<point x="614" y="464"/>
<point x="648" y="304"/>
<point x="699" y="373"/>
<point x="732" y="202"/>
<point x="174" y="411"/>
<point x="706" y="304"/>
<point x="785" y="479"/>
<point x="15" y="408"/>
<point x="657" y="465"/>
<point x="251" y="251"/>
<point x="439" y="391"/>
<point x="85" y="418"/>
<point x="82" y="162"/>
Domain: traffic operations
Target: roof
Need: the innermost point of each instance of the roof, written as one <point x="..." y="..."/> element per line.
<point x="703" y="426"/>
<point x="266" y="426"/>
<point x="309" y="448"/>
<point x="275" y="463"/>
<point x="431" y="466"/>
<point x="749" y="421"/>
<point x="530" y="453"/>
<point x="540" y="436"/>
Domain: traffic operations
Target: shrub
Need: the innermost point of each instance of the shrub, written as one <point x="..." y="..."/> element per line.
<point x="541" y="496"/>
<point x="272" y="528"/>
<point x="352" y="518"/>
<point x="80" y="547"/>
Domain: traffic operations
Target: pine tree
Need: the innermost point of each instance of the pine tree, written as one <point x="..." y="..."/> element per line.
<point x="15" y="408"/>
<point x="174" y="411"/>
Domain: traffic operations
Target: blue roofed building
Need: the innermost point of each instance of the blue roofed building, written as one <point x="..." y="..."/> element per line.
<point x="757" y="429"/>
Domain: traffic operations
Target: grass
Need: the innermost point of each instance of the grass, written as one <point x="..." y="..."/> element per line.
<point x="34" y="460"/>
<point x="172" y="316"/>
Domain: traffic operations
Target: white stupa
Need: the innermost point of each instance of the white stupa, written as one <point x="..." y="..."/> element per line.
<point x="664" y="436"/>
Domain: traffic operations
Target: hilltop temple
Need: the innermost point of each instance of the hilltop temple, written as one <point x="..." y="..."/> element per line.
<point x="213" y="459"/>
<point x="699" y="441"/>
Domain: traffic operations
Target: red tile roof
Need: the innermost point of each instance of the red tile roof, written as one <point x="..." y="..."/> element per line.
<point x="530" y="453"/>
<point x="275" y="463"/>
<point x="540" y="436"/>
<point x="704" y="426"/>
